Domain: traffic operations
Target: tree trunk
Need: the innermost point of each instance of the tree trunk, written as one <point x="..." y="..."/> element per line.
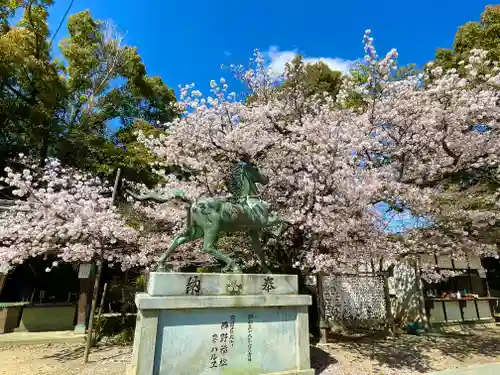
<point x="98" y="278"/>
<point x="44" y="150"/>
<point x="93" y="307"/>
<point x="3" y="281"/>
<point x="323" y="325"/>
<point x="388" y="306"/>
<point x="103" y="298"/>
<point x="116" y="186"/>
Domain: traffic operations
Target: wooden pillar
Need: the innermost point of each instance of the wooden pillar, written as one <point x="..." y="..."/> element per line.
<point x="488" y="294"/>
<point x="85" y="298"/>
<point x="323" y="327"/>
<point x="3" y="281"/>
<point x="487" y="285"/>
<point x="420" y="294"/>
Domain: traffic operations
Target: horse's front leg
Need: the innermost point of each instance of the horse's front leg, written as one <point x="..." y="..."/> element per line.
<point x="188" y="236"/>
<point x="209" y="240"/>
<point x="255" y="240"/>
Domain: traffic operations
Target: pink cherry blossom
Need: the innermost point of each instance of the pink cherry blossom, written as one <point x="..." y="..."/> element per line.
<point x="312" y="148"/>
<point x="63" y="211"/>
<point x="328" y="164"/>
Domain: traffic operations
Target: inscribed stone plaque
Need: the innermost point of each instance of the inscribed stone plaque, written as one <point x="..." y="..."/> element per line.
<point x="211" y="284"/>
<point x="242" y="341"/>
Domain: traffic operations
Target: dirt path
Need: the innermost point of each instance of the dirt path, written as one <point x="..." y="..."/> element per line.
<point x="407" y="354"/>
<point x="398" y="356"/>
<point x="59" y="359"/>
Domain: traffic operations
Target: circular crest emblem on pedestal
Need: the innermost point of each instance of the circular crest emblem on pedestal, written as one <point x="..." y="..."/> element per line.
<point x="234" y="287"/>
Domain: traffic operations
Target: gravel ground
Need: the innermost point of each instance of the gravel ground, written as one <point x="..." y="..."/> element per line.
<point x="369" y="356"/>
<point x="407" y="354"/>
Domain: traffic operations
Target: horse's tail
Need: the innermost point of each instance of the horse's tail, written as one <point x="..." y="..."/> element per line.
<point x="179" y="194"/>
<point x="173" y="194"/>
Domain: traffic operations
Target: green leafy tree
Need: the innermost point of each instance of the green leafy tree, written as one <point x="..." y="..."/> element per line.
<point x="314" y="79"/>
<point x="54" y="108"/>
<point x="107" y="81"/>
<point x="31" y="86"/>
<point x="484" y="34"/>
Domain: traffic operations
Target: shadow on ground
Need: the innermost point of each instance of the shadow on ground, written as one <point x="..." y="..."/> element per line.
<point x="320" y="359"/>
<point x="72" y="353"/>
<point x="405" y="352"/>
<point x="420" y="353"/>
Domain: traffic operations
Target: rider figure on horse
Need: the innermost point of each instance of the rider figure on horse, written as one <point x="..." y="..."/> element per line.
<point x="235" y="186"/>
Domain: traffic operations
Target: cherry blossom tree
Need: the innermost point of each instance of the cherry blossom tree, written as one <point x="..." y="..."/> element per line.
<point x="70" y="214"/>
<point x="386" y="137"/>
<point x="320" y="189"/>
<point x="65" y="212"/>
<point x="330" y="161"/>
<point x="435" y="131"/>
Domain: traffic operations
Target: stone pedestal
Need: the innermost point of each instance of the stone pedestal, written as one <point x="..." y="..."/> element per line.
<point x="200" y="323"/>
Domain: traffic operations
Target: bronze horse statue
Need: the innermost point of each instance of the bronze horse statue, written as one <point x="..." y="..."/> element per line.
<point x="207" y="217"/>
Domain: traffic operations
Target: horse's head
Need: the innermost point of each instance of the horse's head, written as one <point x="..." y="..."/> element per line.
<point x="253" y="174"/>
<point x="245" y="177"/>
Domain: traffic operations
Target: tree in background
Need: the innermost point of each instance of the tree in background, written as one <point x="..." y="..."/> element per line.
<point x="474" y="190"/>
<point x="63" y="109"/>
<point x="315" y="78"/>
<point x="31" y="87"/>
<point x="484" y="35"/>
<point x="106" y="81"/>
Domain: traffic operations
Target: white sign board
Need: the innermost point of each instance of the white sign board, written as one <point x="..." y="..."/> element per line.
<point x="84" y="271"/>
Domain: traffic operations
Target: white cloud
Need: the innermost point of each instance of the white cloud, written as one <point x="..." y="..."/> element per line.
<point x="277" y="60"/>
<point x="227" y="53"/>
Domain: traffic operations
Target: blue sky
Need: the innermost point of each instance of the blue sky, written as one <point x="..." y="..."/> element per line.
<point x="187" y="41"/>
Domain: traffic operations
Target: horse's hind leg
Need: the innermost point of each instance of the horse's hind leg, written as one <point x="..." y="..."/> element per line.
<point x="187" y="236"/>
<point x="209" y="239"/>
<point x="254" y="238"/>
